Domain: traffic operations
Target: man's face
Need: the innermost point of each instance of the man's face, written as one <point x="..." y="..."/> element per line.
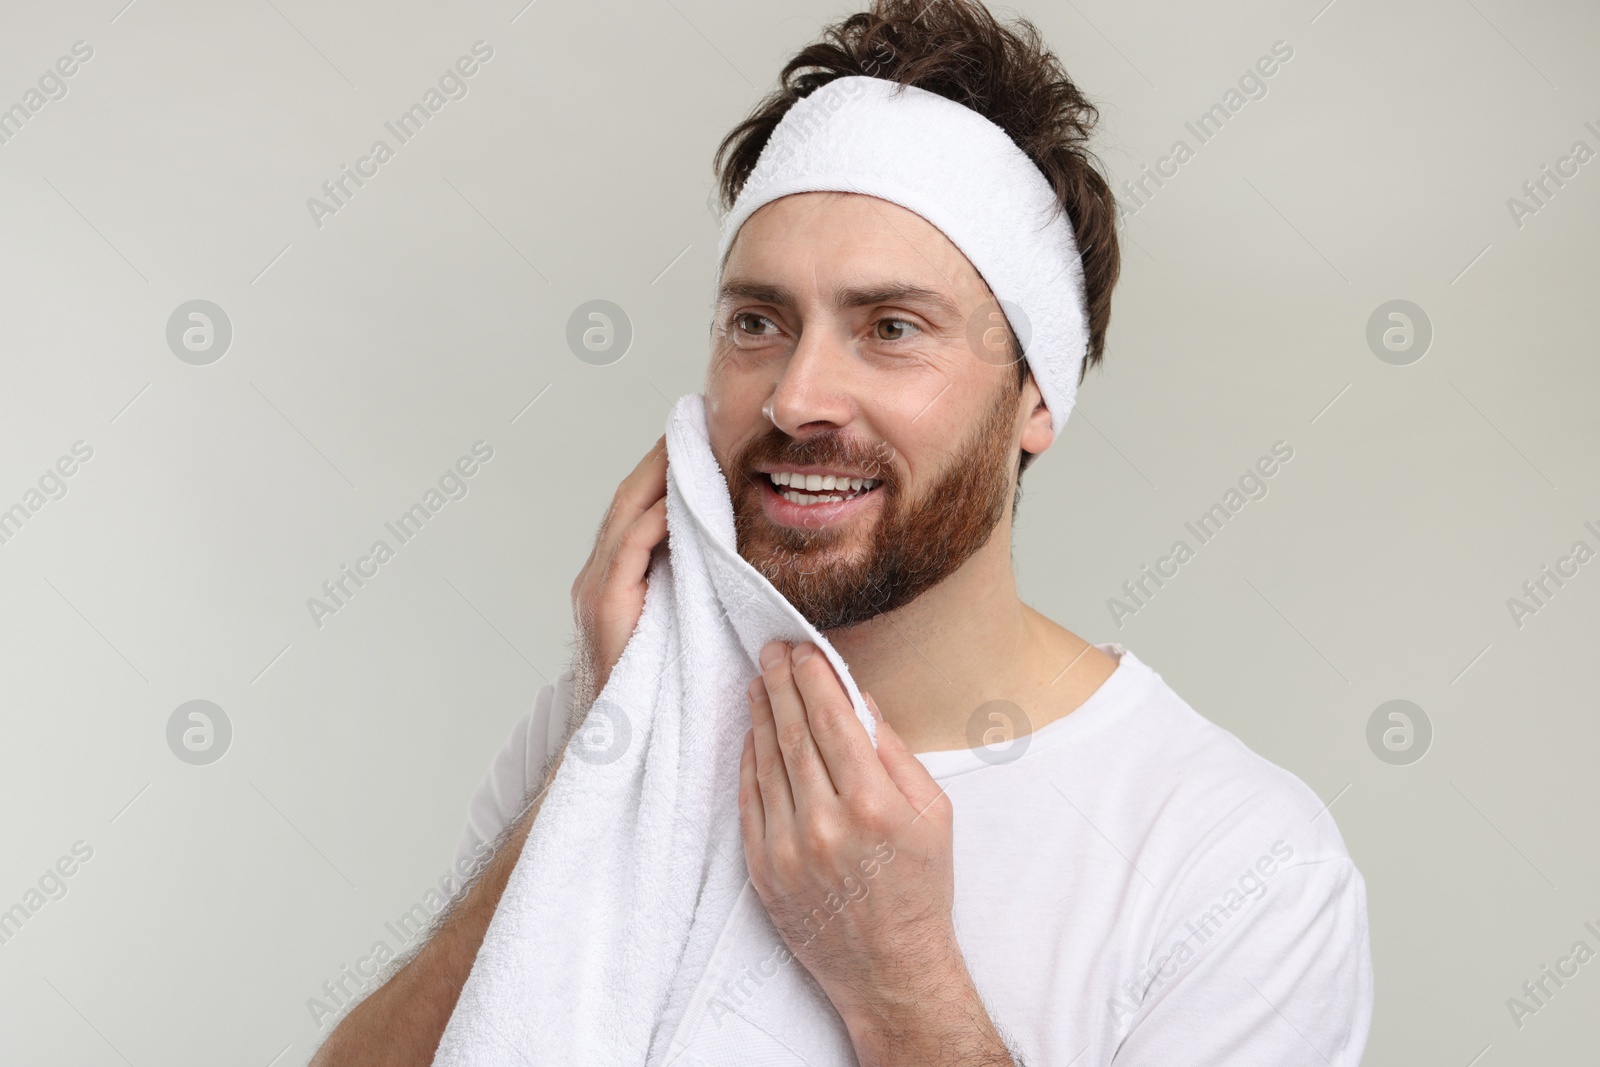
<point x="852" y="340"/>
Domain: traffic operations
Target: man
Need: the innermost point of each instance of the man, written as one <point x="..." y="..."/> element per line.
<point x="1125" y="882"/>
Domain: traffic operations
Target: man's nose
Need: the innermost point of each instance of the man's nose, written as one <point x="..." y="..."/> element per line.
<point x="812" y="393"/>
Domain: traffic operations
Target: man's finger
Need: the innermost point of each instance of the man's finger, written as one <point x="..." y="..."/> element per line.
<point x="752" y="813"/>
<point x="643" y="486"/>
<point x="904" y="769"/>
<point x="840" y="738"/>
<point x="777" y="797"/>
<point x="631" y="558"/>
<point x="808" y="774"/>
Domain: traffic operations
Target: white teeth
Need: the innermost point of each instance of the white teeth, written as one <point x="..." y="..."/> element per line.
<point x="815" y="483"/>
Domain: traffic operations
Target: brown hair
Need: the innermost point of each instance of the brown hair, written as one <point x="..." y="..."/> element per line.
<point x="957" y="49"/>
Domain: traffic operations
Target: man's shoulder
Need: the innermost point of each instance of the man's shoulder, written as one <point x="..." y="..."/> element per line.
<point x="1196" y="780"/>
<point x="1244" y="872"/>
<point x="519" y="766"/>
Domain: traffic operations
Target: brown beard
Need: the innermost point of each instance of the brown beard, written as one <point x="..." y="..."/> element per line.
<point x="915" y="543"/>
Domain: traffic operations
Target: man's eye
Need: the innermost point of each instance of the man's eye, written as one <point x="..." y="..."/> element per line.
<point x="902" y="324"/>
<point x="740" y="319"/>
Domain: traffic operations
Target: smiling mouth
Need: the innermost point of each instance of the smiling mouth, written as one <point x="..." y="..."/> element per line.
<point x="805" y="489"/>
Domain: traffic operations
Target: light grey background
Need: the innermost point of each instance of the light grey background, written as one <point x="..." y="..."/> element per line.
<point x="369" y="353"/>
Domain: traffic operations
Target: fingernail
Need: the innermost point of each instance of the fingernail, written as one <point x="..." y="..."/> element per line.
<point x="758" y="689"/>
<point x="771" y="655"/>
<point x="803" y="653"/>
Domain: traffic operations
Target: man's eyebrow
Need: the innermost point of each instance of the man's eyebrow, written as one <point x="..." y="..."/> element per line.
<point x="846" y="297"/>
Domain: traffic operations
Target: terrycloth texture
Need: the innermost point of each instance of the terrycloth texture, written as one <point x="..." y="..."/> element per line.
<point x="963" y="174"/>
<point x="635" y="861"/>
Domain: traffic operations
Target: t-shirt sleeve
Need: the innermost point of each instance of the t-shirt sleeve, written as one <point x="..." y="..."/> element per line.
<point x="517" y="770"/>
<point x="1283" y="977"/>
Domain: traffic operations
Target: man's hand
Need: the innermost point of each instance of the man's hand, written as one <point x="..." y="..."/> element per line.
<point x="608" y="594"/>
<point x="851" y="852"/>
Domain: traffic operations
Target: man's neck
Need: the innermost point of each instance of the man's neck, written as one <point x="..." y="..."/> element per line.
<point x="967" y="641"/>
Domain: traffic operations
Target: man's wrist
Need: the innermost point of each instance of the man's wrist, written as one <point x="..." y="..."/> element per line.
<point x="940" y="1020"/>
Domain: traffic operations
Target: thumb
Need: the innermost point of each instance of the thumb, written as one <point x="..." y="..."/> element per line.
<point x="904" y="769"/>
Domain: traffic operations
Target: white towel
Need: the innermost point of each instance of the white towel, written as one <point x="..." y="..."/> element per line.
<point x="635" y="861"/>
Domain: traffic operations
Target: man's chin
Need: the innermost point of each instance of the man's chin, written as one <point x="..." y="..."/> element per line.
<point x="774" y="557"/>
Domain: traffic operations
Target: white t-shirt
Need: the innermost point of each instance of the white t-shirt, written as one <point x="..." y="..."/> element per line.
<point x="1138" y="888"/>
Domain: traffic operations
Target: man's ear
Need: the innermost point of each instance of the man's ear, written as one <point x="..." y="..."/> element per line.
<point x="1036" y="433"/>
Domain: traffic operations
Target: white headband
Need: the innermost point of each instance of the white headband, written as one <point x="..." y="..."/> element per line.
<point x="963" y="174"/>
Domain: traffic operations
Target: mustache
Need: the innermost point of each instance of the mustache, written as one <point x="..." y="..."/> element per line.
<point x="830" y="448"/>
